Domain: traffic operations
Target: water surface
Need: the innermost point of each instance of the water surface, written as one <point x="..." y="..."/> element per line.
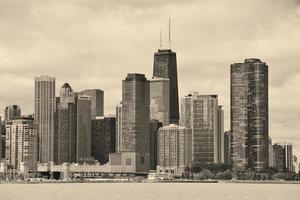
<point x="149" y="191"/>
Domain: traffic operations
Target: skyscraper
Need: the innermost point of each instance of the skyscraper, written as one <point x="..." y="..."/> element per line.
<point x="21" y="143"/>
<point x="119" y="127"/>
<point x="103" y="138"/>
<point x="83" y="148"/>
<point x="97" y="104"/>
<point x="249" y="115"/>
<point x="66" y="140"/>
<point x="44" y="116"/>
<point x="11" y="112"/>
<point x="2" y="139"/>
<point x="201" y="113"/>
<point x="174" y="148"/>
<point x="288" y="149"/>
<point x="135" y="120"/>
<point x="165" y="66"/>
<point x="160" y="100"/>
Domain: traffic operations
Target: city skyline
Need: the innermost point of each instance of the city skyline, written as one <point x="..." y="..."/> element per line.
<point x="202" y="67"/>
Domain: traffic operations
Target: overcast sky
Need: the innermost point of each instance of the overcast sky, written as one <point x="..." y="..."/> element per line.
<point x="95" y="43"/>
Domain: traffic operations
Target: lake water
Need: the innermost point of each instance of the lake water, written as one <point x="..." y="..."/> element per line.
<point x="149" y="191"/>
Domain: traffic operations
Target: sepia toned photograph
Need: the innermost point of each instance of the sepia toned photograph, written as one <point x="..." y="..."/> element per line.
<point x="149" y="99"/>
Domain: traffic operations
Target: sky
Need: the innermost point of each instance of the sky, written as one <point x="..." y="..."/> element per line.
<point x="95" y="43"/>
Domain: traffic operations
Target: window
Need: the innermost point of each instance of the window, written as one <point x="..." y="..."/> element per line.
<point x="128" y="161"/>
<point x="142" y="160"/>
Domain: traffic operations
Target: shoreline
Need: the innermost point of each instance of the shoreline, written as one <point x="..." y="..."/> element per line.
<point x="152" y="182"/>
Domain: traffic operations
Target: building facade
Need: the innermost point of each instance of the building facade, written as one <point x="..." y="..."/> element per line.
<point x="160" y="100"/>
<point x="83" y="136"/>
<point x="271" y="153"/>
<point x="174" y="149"/>
<point x="249" y="115"/>
<point x="97" y="104"/>
<point x="67" y="124"/>
<point x="279" y="157"/>
<point x="44" y="116"/>
<point x="201" y="114"/>
<point x="154" y="127"/>
<point x="227" y="147"/>
<point x="165" y="66"/>
<point x="11" y="112"/>
<point x="135" y="121"/>
<point x="103" y="138"/>
<point x="220" y="135"/>
<point x="21" y="143"/>
<point x="119" y="127"/>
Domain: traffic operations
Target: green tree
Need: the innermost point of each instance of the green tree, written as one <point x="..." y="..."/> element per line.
<point x="227" y="175"/>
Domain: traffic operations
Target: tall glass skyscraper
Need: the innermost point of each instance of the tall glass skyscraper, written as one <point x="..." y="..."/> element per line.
<point x="44" y="116"/>
<point x="165" y="66"/>
<point x="84" y="127"/>
<point x="249" y="115"/>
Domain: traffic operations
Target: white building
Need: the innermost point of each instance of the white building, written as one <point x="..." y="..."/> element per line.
<point x="21" y="144"/>
<point x="174" y="149"/>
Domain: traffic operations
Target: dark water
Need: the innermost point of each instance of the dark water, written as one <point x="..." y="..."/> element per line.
<point x="148" y="191"/>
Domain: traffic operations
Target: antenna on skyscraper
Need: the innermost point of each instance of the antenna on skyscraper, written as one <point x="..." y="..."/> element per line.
<point x="170" y="28"/>
<point x="160" y="40"/>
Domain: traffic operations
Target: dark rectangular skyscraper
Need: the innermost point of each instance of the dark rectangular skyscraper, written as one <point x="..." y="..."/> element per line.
<point x="135" y="120"/>
<point x="103" y="138"/>
<point x="165" y="66"/>
<point x="83" y="148"/>
<point x="249" y="115"/>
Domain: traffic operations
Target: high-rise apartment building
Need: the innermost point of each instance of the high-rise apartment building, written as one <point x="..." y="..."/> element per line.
<point x="288" y="150"/>
<point x="103" y="138"/>
<point x="66" y="126"/>
<point x="201" y="113"/>
<point x="21" y="143"/>
<point x="160" y="100"/>
<point x="174" y="149"/>
<point x="11" y="112"/>
<point x="135" y="121"/>
<point x="97" y="104"/>
<point x="249" y="115"/>
<point x="44" y="116"/>
<point x="165" y="66"/>
<point x="83" y="145"/>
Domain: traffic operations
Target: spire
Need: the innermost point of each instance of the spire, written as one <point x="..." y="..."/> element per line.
<point x="160" y="40"/>
<point x="170" y="29"/>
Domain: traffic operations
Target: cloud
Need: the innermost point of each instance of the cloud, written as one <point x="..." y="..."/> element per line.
<point x="94" y="44"/>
